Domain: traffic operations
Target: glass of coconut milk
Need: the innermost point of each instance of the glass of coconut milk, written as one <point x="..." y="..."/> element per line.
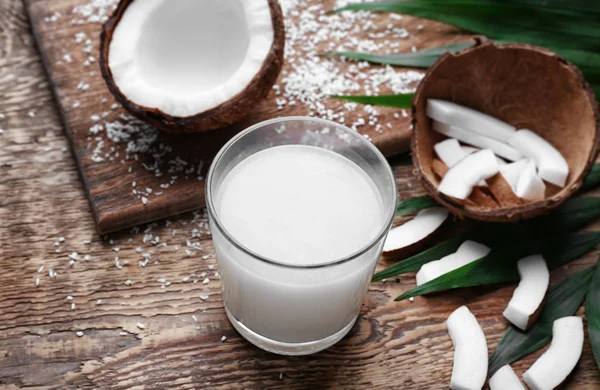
<point x="299" y="210"/>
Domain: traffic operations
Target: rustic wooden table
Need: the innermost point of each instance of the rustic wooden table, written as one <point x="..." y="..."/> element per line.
<point x="86" y="328"/>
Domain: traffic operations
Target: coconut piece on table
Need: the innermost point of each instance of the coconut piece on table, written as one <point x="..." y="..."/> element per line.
<point x="469" y="119"/>
<point x="470" y="365"/>
<point x="554" y="366"/>
<point x="468" y="137"/>
<point x="505" y="379"/>
<point x="551" y="165"/>
<point x="468" y="252"/>
<point x="526" y="302"/>
<point x="462" y="177"/>
<point x="415" y="231"/>
<point x="530" y="186"/>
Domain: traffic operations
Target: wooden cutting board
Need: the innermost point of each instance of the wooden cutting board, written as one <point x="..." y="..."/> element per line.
<point x="81" y="96"/>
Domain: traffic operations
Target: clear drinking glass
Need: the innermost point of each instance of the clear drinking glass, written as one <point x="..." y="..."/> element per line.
<point x="296" y="309"/>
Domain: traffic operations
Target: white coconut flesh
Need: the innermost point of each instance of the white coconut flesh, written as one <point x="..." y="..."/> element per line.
<point x="530" y="293"/>
<point x="184" y="57"/>
<point x="450" y="152"/>
<point x="505" y="379"/>
<point x="511" y="172"/>
<point x="415" y="230"/>
<point x="467" y="252"/>
<point x="553" y="367"/>
<point x="471" y="138"/>
<point x="468" y="172"/>
<point x="470" y="351"/>
<point x="530" y="186"/>
<point x="469" y="119"/>
<point x="551" y="165"/>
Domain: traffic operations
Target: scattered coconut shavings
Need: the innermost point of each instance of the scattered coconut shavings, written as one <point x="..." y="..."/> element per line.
<point x="140" y="325"/>
<point x="79" y="334"/>
<point x="96" y="11"/>
<point x="223" y="338"/>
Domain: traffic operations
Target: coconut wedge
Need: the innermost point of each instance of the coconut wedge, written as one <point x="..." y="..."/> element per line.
<point x="469" y="119"/>
<point x="526" y="302"/>
<point x="449" y="151"/>
<point x="530" y="186"/>
<point x="468" y="137"/>
<point x="470" y="351"/>
<point x="468" y="252"/>
<point x="552" y="166"/>
<point x="505" y="379"/>
<point x="404" y="238"/>
<point x="555" y="365"/>
<point x="462" y="177"/>
<point x="511" y="172"/>
<point x="187" y="66"/>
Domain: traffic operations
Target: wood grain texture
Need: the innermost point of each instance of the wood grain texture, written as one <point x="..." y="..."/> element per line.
<point x="394" y="345"/>
<point x="108" y="183"/>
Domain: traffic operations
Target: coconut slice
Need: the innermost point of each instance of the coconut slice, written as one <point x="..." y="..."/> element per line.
<point x="449" y="151"/>
<point x="505" y="379"/>
<point x="552" y="166"/>
<point x="470" y="351"/>
<point x="186" y="65"/>
<point x="553" y="367"/>
<point x="513" y="171"/>
<point x="501" y="149"/>
<point x="415" y="231"/>
<point x="467" y="253"/>
<point x="469" y="119"/>
<point x="461" y="178"/>
<point x="530" y="186"/>
<point x="526" y="302"/>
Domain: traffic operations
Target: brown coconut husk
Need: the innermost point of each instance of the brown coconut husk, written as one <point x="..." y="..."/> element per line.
<point x="526" y="86"/>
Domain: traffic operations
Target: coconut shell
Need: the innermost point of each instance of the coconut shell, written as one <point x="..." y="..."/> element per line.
<point x="439" y="168"/>
<point x="482" y="199"/>
<point x="224" y="114"/>
<point x="526" y="86"/>
<point x="502" y="191"/>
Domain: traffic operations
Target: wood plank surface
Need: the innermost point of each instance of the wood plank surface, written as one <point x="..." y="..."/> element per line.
<point x="69" y="49"/>
<point x="394" y="345"/>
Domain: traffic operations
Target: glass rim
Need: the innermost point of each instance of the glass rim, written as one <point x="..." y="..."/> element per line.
<point x="210" y="206"/>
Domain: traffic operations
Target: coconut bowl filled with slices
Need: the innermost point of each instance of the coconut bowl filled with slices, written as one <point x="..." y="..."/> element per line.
<point x="190" y="66"/>
<point x="503" y="132"/>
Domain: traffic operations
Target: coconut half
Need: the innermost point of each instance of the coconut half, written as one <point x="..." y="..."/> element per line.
<point x="405" y="238"/>
<point x="555" y="365"/>
<point x="470" y="351"/>
<point x="526" y="302"/>
<point x="187" y="65"/>
<point x="505" y="379"/>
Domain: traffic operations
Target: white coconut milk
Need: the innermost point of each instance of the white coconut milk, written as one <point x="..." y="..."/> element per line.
<point x="301" y="206"/>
